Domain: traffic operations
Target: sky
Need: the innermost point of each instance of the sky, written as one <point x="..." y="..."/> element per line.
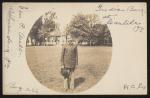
<point x="65" y="12"/>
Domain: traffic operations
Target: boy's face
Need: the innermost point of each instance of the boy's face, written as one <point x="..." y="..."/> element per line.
<point x="71" y="42"/>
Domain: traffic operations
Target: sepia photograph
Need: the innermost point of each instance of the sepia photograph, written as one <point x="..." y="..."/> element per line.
<point x="86" y="49"/>
<point x="74" y="48"/>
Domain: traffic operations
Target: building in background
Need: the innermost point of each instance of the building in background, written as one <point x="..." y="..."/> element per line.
<point x="53" y="39"/>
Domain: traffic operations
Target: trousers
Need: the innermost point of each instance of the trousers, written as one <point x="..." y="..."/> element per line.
<point x="69" y="81"/>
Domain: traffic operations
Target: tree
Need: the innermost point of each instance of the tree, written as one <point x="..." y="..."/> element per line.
<point x="43" y="27"/>
<point x="34" y="31"/>
<point x="81" y="27"/>
<point x="100" y="32"/>
<point x="87" y="27"/>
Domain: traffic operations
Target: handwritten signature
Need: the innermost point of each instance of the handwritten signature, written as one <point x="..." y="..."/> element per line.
<point x="22" y="27"/>
<point x="134" y="86"/>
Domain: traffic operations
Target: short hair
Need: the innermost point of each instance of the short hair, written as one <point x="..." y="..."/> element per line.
<point x="70" y="40"/>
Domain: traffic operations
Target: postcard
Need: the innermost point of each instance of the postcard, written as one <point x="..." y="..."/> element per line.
<point x="60" y="48"/>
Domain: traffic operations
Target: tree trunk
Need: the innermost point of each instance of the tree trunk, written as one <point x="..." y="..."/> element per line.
<point x="90" y="42"/>
<point x="66" y="38"/>
<point x="90" y="39"/>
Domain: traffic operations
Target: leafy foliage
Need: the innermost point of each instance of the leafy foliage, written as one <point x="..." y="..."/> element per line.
<point x="43" y="26"/>
<point x="87" y="28"/>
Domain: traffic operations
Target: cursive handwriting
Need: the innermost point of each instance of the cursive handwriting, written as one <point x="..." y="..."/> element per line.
<point x="138" y="28"/>
<point x="112" y="19"/>
<point x="100" y="7"/>
<point x="11" y="19"/>
<point x="21" y="36"/>
<point x="21" y="28"/>
<point x="133" y="9"/>
<point x="134" y="86"/>
<point x="110" y="16"/>
<point x="124" y="22"/>
<point x="21" y="8"/>
<point x="20" y="89"/>
<point x="136" y="25"/>
<point x="7" y="65"/>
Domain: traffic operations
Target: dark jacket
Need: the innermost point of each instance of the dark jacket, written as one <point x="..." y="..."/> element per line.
<point x="69" y="56"/>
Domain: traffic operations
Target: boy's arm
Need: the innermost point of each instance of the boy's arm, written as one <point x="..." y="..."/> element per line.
<point x="76" y="55"/>
<point x="62" y="56"/>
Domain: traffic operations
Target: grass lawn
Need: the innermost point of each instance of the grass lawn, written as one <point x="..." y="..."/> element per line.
<point x="44" y="62"/>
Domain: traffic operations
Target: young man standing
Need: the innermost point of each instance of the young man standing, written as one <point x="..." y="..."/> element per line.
<point x="69" y="61"/>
